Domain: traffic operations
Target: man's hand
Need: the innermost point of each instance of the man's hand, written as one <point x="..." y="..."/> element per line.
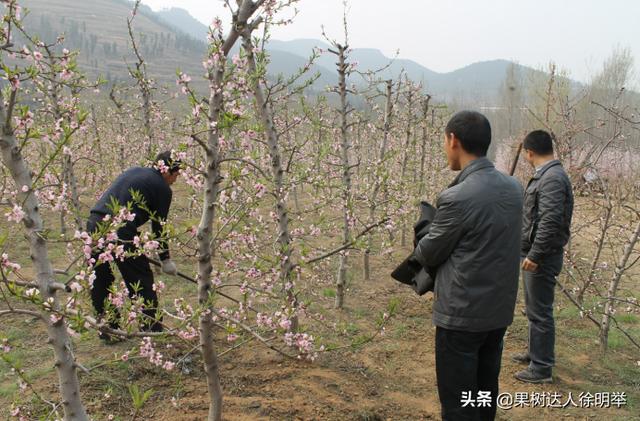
<point x="169" y="267"/>
<point x="529" y="265"/>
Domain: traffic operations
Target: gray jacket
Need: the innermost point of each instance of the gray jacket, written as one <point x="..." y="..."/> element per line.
<point x="474" y="241"/>
<point x="548" y="207"/>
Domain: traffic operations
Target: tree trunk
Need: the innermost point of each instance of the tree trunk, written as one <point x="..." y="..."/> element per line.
<point x="346" y="176"/>
<point x="596" y="255"/>
<point x="57" y="331"/>
<point x="609" y="307"/>
<point x="265" y="113"/>
<point x="146" y="109"/>
<point x="213" y="178"/>
<point x="378" y="179"/>
<point x="425" y="142"/>
<point x="405" y="160"/>
<point x="72" y="184"/>
<point x="205" y="267"/>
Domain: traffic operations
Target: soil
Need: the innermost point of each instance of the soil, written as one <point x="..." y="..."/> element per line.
<point x="391" y="378"/>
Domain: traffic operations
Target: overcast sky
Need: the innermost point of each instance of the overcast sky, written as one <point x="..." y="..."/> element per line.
<point x="444" y="35"/>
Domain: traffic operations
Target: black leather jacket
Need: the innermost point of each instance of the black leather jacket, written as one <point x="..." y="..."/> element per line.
<point x="474" y="241"/>
<point x="410" y="271"/>
<point x="548" y="207"/>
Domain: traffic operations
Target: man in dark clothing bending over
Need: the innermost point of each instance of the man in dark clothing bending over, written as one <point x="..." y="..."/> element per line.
<point x="152" y="187"/>
<point x="474" y="242"/>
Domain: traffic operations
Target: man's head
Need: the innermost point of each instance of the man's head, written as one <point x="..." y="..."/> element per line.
<point x="466" y="137"/>
<point x="538" y="147"/>
<point x="169" y="168"/>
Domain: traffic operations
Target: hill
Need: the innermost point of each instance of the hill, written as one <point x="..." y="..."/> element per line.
<point x="181" y="20"/>
<point x="173" y="39"/>
<point x="98" y="29"/>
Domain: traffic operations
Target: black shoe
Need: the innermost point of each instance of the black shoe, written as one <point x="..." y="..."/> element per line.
<point x="109" y="339"/>
<point x="155" y="327"/>
<point x="521" y="358"/>
<point x="529" y="376"/>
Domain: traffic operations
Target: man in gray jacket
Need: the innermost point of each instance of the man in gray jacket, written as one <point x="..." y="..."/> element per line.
<point x="548" y="207"/>
<point x="474" y="241"/>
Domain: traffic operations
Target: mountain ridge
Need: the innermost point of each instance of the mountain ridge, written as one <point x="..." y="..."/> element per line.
<point x="169" y="42"/>
<point x="445" y="85"/>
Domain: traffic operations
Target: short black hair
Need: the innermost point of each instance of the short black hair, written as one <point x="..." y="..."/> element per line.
<point x="539" y="142"/>
<point x="472" y="129"/>
<point x="173" y="164"/>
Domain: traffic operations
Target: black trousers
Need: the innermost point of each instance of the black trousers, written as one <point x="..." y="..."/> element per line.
<point x="540" y="290"/>
<point x="468" y="362"/>
<point x="138" y="278"/>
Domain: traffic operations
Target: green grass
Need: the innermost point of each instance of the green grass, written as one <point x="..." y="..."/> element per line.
<point x="625" y="373"/>
<point x="360" y="313"/>
<point x="564" y="313"/>
<point x="350" y="328"/>
<point x="8" y="389"/>
<point x="400" y="330"/>
<point x="627" y="318"/>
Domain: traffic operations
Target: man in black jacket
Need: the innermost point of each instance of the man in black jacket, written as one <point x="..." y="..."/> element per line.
<point x="548" y="207"/>
<point x="474" y="242"/>
<point x="148" y="192"/>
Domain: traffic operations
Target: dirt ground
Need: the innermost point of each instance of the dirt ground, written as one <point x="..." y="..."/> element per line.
<point x="391" y="378"/>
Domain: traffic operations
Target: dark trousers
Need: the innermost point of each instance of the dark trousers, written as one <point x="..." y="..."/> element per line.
<point x="540" y="288"/>
<point x="467" y="362"/>
<point x="138" y="278"/>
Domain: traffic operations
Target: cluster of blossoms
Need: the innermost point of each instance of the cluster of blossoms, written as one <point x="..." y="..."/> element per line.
<point x="107" y="245"/>
<point x="183" y="81"/>
<point x="211" y="62"/>
<point x="253" y="273"/>
<point x="16" y="214"/>
<point x="123" y="216"/>
<point x="260" y="190"/>
<point x="304" y="343"/>
<point x="148" y="351"/>
<point x="54" y="196"/>
<point x="111" y="252"/>
<point x="215" y="28"/>
<point x="351" y="220"/>
<point x="61" y="202"/>
<point x="184" y="312"/>
<point x="147" y="244"/>
<point x="161" y="166"/>
<point x="297" y="232"/>
<point x="278" y="320"/>
<point x="4" y="345"/>
<point x="132" y="314"/>
<point x="66" y="73"/>
<point x="87" y="241"/>
<point x="15" y="82"/>
<point x="216" y="281"/>
<point x="7" y="264"/>
<point x="118" y="298"/>
<point x="193" y="179"/>
<point x="59" y="131"/>
<point x="224" y="198"/>
<point x="314" y="231"/>
<point x="247" y="139"/>
<point x="23" y="122"/>
<point x="16" y="413"/>
<point x="158" y="286"/>
<point x="265" y="321"/>
<point x="188" y="332"/>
